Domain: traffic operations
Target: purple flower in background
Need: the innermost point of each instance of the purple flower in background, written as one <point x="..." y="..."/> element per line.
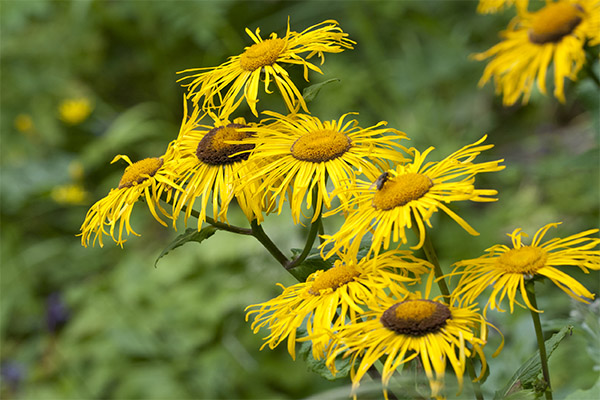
<point x="12" y="375"/>
<point x="57" y="313"/>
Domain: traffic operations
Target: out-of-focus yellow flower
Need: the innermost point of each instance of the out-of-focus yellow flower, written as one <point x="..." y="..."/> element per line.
<point x="492" y="6"/>
<point x="24" y="123"/>
<point x="75" y="111"/>
<point x="71" y="193"/>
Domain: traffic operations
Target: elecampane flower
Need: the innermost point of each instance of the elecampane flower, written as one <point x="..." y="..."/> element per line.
<point x="401" y="331"/>
<point x="412" y="191"/>
<point x="301" y="153"/>
<point x="148" y="179"/>
<point x="266" y="59"/>
<point x="330" y="298"/>
<point x="492" y="6"/>
<point x="556" y="34"/>
<point x="506" y="269"/>
<point x="75" y="111"/>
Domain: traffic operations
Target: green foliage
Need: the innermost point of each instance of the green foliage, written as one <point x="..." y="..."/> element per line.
<point x="190" y="235"/>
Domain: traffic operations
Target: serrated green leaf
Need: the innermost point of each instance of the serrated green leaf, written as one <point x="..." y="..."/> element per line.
<point x="190" y="235"/>
<point x="527" y="375"/>
<point x="311" y="92"/>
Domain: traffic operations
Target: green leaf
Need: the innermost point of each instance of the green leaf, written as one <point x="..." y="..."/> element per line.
<point x="526" y="376"/>
<point x="311" y="92"/>
<point x="591" y="393"/>
<point x="313" y="262"/>
<point x="190" y="235"/>
<point x="318" y="366"/>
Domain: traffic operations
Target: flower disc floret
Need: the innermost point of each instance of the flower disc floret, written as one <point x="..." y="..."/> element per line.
<point x="139" y="171"/>
<point x="416" y="317"/>
<point x="553" y="22"/>
<point x="214" y="148"/>
<point x="262" y="54"/>
<point x="319" y="146"/>
<point x="524" y="260"/>
<point x="399" y="191"/>
<point x="333" y="278"/>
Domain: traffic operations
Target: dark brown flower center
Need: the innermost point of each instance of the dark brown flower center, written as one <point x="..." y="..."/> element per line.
<point x="416" y="317"/>
<point x="214" y="148"/>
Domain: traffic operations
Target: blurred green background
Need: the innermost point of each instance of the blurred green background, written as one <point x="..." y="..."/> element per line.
<point x="102" y="323"/>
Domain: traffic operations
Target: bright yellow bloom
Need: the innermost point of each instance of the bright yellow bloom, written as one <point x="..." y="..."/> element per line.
<point x="412" y="191"/>
<point x="492" y="6"/>
<point x="71" y="193"/>
<point x="302" y="153"/>
<point x="75" y="111"/>
<point x="330" y="298"/>
<point x="400" y="331"/>
<point x="557" y="33"/>
<point x="507" y="269"/>
<point x="210" y="165"/>
<point x="266" y="59"/>
<point x="146" y="178"/>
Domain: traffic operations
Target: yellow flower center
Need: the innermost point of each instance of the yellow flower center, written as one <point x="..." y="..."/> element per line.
<point x="400" y="190"/>
<point x="333" y="278"/>
<point x="553" y="22"/>
<point x="320" y="146"/>
<point x="416" y="317"/>
<point x="524" y="260"/>
<point x="213" y="149"/>
<point x="139" y="171"/>
<point x="260" y="54"/>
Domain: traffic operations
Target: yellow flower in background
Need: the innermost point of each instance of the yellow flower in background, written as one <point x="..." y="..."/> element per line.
<point x="265" y="60"/>
<point x="400" y="331"/>
<point x="146" y="179"/>
<point x="75" y="111"/>
<point x="71" y="193"/>
<point x="506" y="270"/>
<point x="331" y="298"/>
<point x="556" y="34"/>
<point x="211" y="169"/>
<point x="301" y="153"/>
<point x="492" y="6"/>
<point x="24" y="123"/>
<point x="411" y="194"/>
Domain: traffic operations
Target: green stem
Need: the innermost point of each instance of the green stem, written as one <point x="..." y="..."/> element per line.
<point x="590" y="59"/>
<point x="539" y="334"/>
<point x="261" y="236"/>
<point x="473" y="376"/>
<point x="432" y="258"/>
<point x="310" y="240"/>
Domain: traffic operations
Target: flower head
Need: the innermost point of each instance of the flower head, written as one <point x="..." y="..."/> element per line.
<point x="507" y="269"/>
<point x="330" y="298"/>
<point x="146" y="178"/>
<point x="412" y="191"/>
<point x="556" y="33"/>
<point x="75" y="111"/>
<point x="301" y="153"/>
<point x="265" y="59"/>
<point x="492" y="6"/>
<point x="212" y="163"/>
<point x="400" y="331"/>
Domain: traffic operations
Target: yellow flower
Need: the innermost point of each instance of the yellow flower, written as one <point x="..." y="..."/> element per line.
<point x="400" y="331"/>
<point x="329" y="298"/>
<point x="507" y="269"/>
<point x="412" y="192"/>
<point x="302" y="153"/>
<point x="492" y="6"/>
<point x="212" y="162"/>
<point x="146" y="178"/>
<point x="24" y="123"/>
<point x="266" y="59"/>
<point x="557" y="33"/>
<point x="69" y="194"/>
<point x="75" y="111"/>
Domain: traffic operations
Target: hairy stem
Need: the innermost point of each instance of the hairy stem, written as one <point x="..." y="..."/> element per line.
<point x="539" y="334"/>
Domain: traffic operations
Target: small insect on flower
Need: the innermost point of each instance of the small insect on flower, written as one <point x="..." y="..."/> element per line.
<point x="380" y="181"/>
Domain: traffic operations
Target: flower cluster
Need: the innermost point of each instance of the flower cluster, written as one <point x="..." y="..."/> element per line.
<point x="361" y="302"/>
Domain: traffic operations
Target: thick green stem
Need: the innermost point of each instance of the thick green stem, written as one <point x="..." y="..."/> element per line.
<point x="261" y="236"/>
<point x="539" y="334"/>
<point x="310" y="240"/>
<point x="473" y="376"/>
